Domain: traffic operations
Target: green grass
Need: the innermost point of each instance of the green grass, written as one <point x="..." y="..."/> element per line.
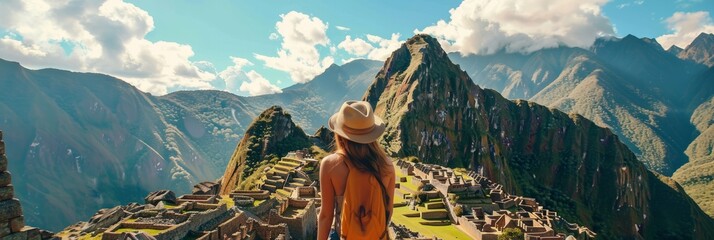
<point x="409" y="184"/>
<point x="227" y="200"/>
<point x="89" y="237"/>
<point x="282" y="192"/>
<point x="289" y="164"/>
<point x="442" y="232"/>
<point x="152" y="232"/>
<point x="169" y="206"/>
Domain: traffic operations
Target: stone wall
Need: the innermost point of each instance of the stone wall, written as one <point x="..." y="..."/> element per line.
<point x="303" y="226"/>
<point x="267" y="231"/>
<point x="468" y="226"/>
<point x="256" y="194"/>
<point x="435" y="205"/>
<point x="12" y="222"/>
<point x="211" y="199"/>
<point x="233" y="225"/>
<point x="434" y="215"/>
<point x="263" y="208"/>
<point x="193" y="223"/>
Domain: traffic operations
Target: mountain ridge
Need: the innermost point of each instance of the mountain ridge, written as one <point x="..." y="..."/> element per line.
<point x="425" y="102"/>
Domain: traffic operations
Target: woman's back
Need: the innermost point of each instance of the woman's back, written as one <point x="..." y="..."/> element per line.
<point x="361" y="171"/>
<point x="334" y="174"/>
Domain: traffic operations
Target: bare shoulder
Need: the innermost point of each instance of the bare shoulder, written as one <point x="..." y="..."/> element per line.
<point x="330" y="161"/>
<point x="390" y="165"/>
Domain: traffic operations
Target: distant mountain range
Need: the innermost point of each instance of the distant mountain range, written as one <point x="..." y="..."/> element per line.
<point x="655" y="99"/>
<point x="80" y="141"/>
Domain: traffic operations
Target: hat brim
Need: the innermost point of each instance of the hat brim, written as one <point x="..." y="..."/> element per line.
<point x="336" y="127"/>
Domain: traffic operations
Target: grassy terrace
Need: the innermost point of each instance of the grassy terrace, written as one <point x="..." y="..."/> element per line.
<point x="152" y="232"/>
<point x="87" y="237"/>
<point x="413" y="223"/>
<point x="227" y="200"/>
<point x="442" y="232"/>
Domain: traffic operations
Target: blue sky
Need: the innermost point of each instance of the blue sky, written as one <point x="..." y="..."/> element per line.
<point x="242" y="28"/>
<point x="239" y="46"/>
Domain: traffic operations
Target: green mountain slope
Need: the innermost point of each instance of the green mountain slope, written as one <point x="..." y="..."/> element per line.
<point x="697" y="176"/>
<point x="86" y="141"/>
<point x="272" y="133"/>
<point x="62" y="125"/>
<point x="630" y="85"/>
<point x="435" y="112"/>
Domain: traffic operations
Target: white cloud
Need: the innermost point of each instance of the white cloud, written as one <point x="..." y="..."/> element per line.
<point x="385" y="46"/>
<point x="487" y="26"/>
<point x="375" y="48"/>
<point x="298" y="56"/>
<point x="624" y="5"/>
<point x="273" y="36"/>
<point x="98" y="36"/>
<point x="357" y="46"/>
<point x="235" y="74"/>
<point x="341" y="28"/>
<point x="258" y="85"/>
<point x="685" y="27"/>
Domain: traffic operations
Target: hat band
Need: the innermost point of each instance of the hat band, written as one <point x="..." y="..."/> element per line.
<point x="357" y="131"/>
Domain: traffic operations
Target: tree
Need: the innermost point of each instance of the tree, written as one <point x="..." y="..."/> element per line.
<point x="458" y="210"/>
<point x="422" y="197"/>
<point x="511" y="234"/>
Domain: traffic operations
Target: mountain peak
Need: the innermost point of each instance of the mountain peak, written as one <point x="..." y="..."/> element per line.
<point x="674" y="50"/>
<point x="416" y="80"/>
<point x="701" y="50"/>
<point x="273" y="132"/>
<point x="703" y="40"/>
<point x="653" y="42"/>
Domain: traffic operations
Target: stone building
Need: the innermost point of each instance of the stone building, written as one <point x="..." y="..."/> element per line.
<point x="299" y="215"/>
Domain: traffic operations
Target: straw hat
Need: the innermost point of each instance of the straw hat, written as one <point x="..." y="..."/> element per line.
<point x="356" y="121"/>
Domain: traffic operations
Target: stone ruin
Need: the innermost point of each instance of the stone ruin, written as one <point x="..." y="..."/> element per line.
<point x="12" y="221"/>
<point x="207" y="188"/>
<point x="489" y="220"/>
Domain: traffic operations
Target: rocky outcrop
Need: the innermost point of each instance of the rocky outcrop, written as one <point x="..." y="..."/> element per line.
<point x="435" y="112"/>
<point x="324" y="137"/>
<point x="272" y="133"/>
<point x="12" y="221"/>
<point x="105" y="218"/>
<point x="701" y="50"/>
<point x="156" y="197"/>
<point x="206" y="188"/>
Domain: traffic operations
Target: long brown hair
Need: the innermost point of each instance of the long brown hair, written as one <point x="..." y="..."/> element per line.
<point x="368" y="157"/>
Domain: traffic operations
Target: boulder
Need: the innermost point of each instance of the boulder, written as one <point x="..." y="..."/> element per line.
<point x="5" y="178"/>
<point x="104" y="218"/>
<point x="6" y="192"/>
<point x="10" y="209"/>
<point x="206" y="188"/>
<point x="162" y="195"/>
<point x="16" y="224"/>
